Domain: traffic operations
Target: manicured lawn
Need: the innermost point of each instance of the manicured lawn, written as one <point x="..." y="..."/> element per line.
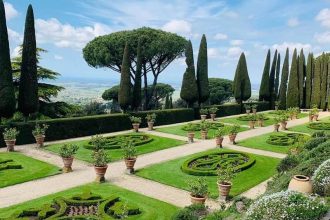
<point x="31" y="169"/>
<point x="158" y="143"/>
<point x="170" y="173"/>
<point x="150" y="208"/>
<point x="304" y="129"/>
<point x="178" y="131"/>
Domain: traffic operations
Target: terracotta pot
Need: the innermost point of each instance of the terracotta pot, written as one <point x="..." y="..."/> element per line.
<point x="276" y="127"/>
<point x="224" y="188"/>
<point x="254" y="111"/>
<point x="213" y="116"/>
<point x="316" y="117"/>
<point x="261" y="123"/>
<point x="218" y="141"/>
<point x="311" y="118"/>
<point x="67" y="164"/>
<point x="197" y="200"/>
<point x="100" y="172"/>
<point x="10" y="144"/>
<point x="150" y="125"/>
<point x="251" y="124"/>
<point x="130" y="165"/>
<point x="248" y="111"/>
<point x="203" y="117"/>
<point x="204" y="135"/>
<point x="294" y="116"/>
<point x="136" y="127"/>
<point x="301" y="183"/>
<point x="40" y="139"/>
<point x="283" y="125"/>
<point x="232" y="138"/>
<point x="191" y="136"/>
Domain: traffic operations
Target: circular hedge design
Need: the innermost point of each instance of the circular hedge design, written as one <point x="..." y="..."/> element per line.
<point x="197" y="126"/>
<point x="319" y="125"/>
<point x="208" y="164"/>
<point x="285" y="139"/>
<point x="116" y="142"/>
<point x="249" y="118"/>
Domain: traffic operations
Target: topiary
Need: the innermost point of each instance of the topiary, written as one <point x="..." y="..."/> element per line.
<point x="321" y="179"/>
<point x="250" y="118"/>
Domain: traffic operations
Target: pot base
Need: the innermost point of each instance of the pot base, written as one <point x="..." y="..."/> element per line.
<point x="67" y="169"/>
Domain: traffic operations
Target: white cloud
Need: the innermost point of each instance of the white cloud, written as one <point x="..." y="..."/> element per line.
<point x="236" y="42"/>
<point x="324" y="17"/>
<point x="212" y="52"/>
<point x="14" y="36"/>
<point x="66" y="35"/>
<point x="220" y="36"/>
<point x="293" y="22"/>
<point x="178" y="26"/>
<point x="323" y="38"/>
<point x="234" y="52"/>
<point x="15" y="52"/>
<point x="58" y="57"/>
<point x="292" y="45"/>
<point x="11" y="12"/>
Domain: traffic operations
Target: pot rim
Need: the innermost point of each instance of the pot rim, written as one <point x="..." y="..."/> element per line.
<point x="106" y="166"/>
<point x="10" y="139"/>
<point x="131" y="159"/>
<point x="301" y="178"/>
<point x="72" y="157"/>
<point x="229" y="183"/>
<point x="198" y="198"/>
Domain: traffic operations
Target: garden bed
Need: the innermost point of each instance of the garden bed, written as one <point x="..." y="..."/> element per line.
<point x="304" y="128"/>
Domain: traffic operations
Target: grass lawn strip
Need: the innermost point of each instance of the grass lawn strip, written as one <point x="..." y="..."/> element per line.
<point x="304" y="129"/>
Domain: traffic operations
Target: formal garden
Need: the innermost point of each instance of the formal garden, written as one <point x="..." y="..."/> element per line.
<point x="209" y="155"/>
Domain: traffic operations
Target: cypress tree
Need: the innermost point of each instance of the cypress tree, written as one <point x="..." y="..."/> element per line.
<point x="284" y="82"/>
<point x="293" y="90"/>
<point x="124" y="94"/>
<point x="272" y="82"/>
<point x="202" y="72"/>
<point x="277" y="77"/>
<point x="171" y="103"/>
<point x="309" y="81"/>
<point x="316" y="89"/>
<point x="28" y="88"/>
<point x="324" y="76"/>
<point x="328" y="92"/>
<point x="7" y="94"/>
<point x="136" y="100"/>
<point x="242" y="84"/>
<point x="302" y="75"/>
<point x="189" y="90"/>
<point x="167" y="102"/>
<point x="264" y="86"/>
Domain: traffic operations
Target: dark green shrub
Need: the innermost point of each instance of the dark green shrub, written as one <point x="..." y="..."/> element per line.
<point x="286" y="139"/>
<point x="309" y="145"/>
<point x="319" y="125"/>
<point x="192" y="212"/>
<point x="9" y="164"/>
<point x="287" y="163"/>
<point x="250" y="117"/>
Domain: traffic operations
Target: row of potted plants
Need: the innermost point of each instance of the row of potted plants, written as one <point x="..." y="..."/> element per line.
<point x="249" y="107"/>
<point x="205" y="111"/>
<point x="314" y="114"/>
<point x="136" y="121"/>
<point x="260" y="118"/>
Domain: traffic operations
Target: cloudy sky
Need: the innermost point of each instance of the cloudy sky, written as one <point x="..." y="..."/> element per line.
<point x="64" y="27"/>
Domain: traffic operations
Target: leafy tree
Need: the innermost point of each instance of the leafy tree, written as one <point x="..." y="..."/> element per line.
<point x="161" y="91"/>
<point x="111" y="94"/>
<point x="302" y="75"/>
<point x="220" y="90"/>
<point x="189" y="90"/>
<point x="124" y="94"/>
<point x="28" y="101"/>
<point x="309" y="79"/>
<point x="272" y="81"/>
<point x="7" y="94"/>
<point x="159" y="48"/>
<point x="277" y="76"/>
<point x="316" y="89"/>
<point x="202" y="72"/>
<point x="264" y="94"/>
<point x="137" y="82"/>
<point x="242" y="84"/>
<point x="167" y="102"/>
<point x="324" y="76"/>
<point x="284" y="81"/>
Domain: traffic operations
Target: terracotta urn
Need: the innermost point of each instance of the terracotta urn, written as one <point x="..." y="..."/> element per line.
<point x="191" y="136"/>
<point x="301" y="183"/>
<point x="283" y="125"/>
<point x="232" y="138"/>
<point x="67" y="161"/>
<point x="316" y="117"/>
<point x="276" y="127"/>
<point x="311" y="118"/>
<point x="248" y="111"/>
<point x="203" y="117"/>
<point x="10" y="145"/>
<point x="40" y="139"/>
<point x="213" y="116"/>
<point x="100" y="172"/>
<point x="136" y="127"/>
<point x="261" y="123"/>
<point x="197" y="200"/>
<point x="251" y="124"/>
<point x="224" y="189"/>
<point x="204" y="135"/>
<point x="150" y="125"/>
<point x="130" y="162"/>
<point x="218" y="141"/>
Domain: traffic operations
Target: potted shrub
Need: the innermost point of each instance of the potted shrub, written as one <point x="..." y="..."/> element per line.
<point x="129" y="151"/>
<point x="225" y="175"/>
<point x="296" y="111"/>
<point x="66" y="152"/>
<point x="284" y="121"/>
<point x="9" y="136"/>
<point x="198" y="190"/>
<point x="219" y="136"/>
<point x="252" y="121"/>
<point x="254" y="108"/>
<point x="213" y="113"/>
<point x="136" y="121"/>
<point x="204" y="129"/>
<point x="100" y="161"/>
<point x="261" y="119"/>
<point x="98" y="142"/>
<point x="191" y="128"/>
<point x="315" y="112"/>
<point x="277" y="103"/>
<point x="151" y="118"/>
<point x="39" y="133"/>
<point x="277" y="123"/>
<point x="203" y="112"/>
<point x="233" y="133"/>
<point x="247" y="108"/>
<point x="311" y="115"/>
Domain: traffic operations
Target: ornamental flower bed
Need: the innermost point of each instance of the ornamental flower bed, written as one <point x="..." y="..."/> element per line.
<point x="321" y="179"/>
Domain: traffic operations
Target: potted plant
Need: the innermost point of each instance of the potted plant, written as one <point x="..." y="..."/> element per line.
<point x="66" y="152"/>
<point x="233" y="133"/>
<point x="10" y="135"/>
<point x="219" y="136"/>
<point x="129" y="151"/>
<point x="136" y="121"/>
<point x="311" y="115"/>
<point x="277" y="103"/>
<point x="261" y="118"/>
<point x="252" y="121"/>
<point x="296" y="111"/>
<point x="254" y="108"/>
<point x="213" y="113"/>
<point x="204" y="129"/>
<point x="151" y="118"/>
<point x="100" y="161"/>
<point x="98" y="142"/>
<point x="203" y="112"/>
<point x="284" y="121"/>
<point x="247" y="108"/>
<point x="39" y="134"/>
<point x="191" y="128"/>
<point x="315" y="112"/>
<point x="225" y="175"/>
<point x="198" y="190"/>
<point x="277" y="121"/>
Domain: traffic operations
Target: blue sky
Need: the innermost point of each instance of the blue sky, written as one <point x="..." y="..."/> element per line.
<point x="65" y="26"/>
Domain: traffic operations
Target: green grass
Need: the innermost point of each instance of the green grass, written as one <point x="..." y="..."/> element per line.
<point x="158" y="143"/>
<point x="170" y="173"/>
<point x="304" y="129"/>
<point x="177" y="130"/>
<point x="32" y="169"/>
<point x="150" y="208"/>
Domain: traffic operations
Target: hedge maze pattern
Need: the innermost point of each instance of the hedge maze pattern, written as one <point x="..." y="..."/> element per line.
<point x="285" y="139"/>
<point x="208" y="164"/>
<point x="84" y="206"/>
<point x="249" y="118"/>
<point x="197" y="126"/>
<point x="319" y="125"/>
<point x="116" y="142"/>
<point x="9" y="164"/>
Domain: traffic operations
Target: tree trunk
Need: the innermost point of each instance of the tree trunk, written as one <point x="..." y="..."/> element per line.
<point x="146" y="101"/>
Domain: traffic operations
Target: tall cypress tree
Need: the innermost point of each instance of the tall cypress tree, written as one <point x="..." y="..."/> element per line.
<point x="136" y="100"/>
<point x="284" y="82"/>
<point x="124" y="94"/>
<point x="28" y="88"/>
<point x="202" y="72"/>
<point x="309" y="80"/>
<point x="324" y="76"/>
<point x="171" y="103"/>
<point x="328" y="92"/>
<point x="189" y="90"/>
<point x="277" y="76"/>
<point x="7" y="94"/>
<point x="316" y="89"/>
<point x="302" y="75"/>
<point x="167" y="102"/>
<point x="293" y="91"/>
<point x="264" y="94"/>
<point x="272" y="81"/>
<point x="242" y="84"/>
